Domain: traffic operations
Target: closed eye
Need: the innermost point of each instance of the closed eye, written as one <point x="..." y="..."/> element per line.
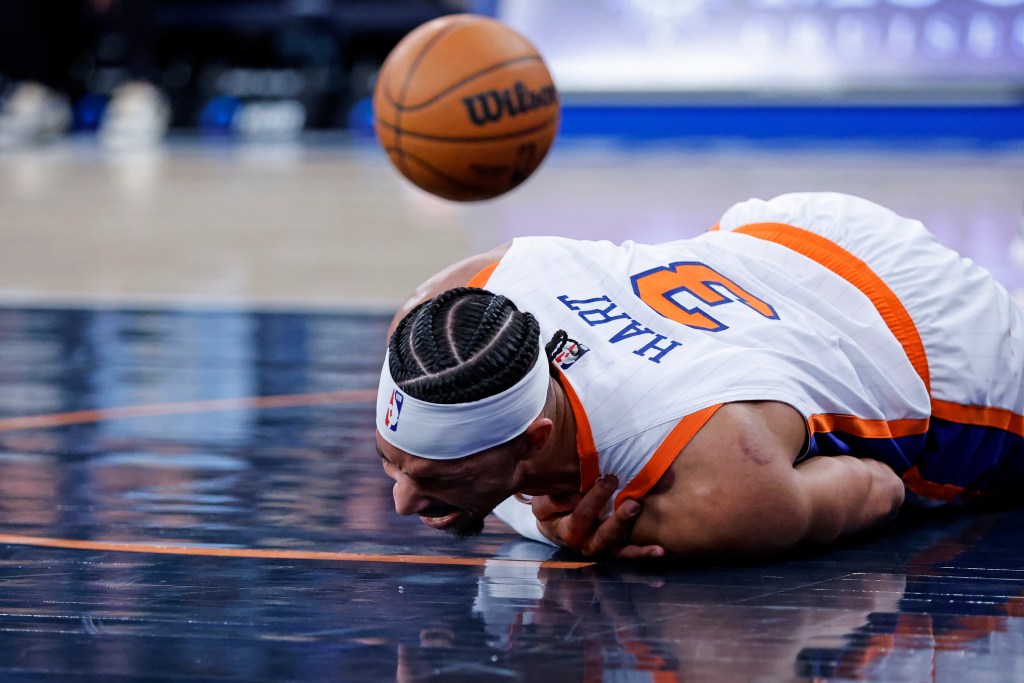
<point x="436" y="480"/>
<point x="388" y="465"/>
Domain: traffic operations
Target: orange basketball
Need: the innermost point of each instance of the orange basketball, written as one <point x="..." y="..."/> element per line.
<point x="465" y="107"/>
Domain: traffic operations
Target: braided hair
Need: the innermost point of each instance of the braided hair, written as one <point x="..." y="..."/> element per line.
<point x="463" y="345"/>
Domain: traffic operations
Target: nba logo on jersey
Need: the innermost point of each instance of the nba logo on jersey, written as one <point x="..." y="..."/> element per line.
<point x="394" y="410"/>
<point x="572" y="352"/>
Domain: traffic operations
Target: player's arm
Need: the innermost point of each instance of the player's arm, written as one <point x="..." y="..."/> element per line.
<point x="455" y="275"/>
<point x="736" y="492"/>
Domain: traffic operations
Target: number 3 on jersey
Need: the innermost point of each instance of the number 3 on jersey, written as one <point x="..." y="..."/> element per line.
<point x="657" y="288"/>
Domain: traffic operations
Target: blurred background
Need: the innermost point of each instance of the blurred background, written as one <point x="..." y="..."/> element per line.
<point x="223" y="149"/>
<point x="257" y="68"/>
<point x="276" y="67"/>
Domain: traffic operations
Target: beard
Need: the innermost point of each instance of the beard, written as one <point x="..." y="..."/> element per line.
<point x="471" y="528"/>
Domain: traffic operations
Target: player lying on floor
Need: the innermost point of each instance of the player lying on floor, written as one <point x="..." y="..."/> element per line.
<point x="790" y="376"/>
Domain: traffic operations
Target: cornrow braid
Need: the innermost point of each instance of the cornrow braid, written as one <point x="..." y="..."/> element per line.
<point x="463" y="345"/>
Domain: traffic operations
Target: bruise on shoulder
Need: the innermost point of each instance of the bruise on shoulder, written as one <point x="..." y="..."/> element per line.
<point x="759" y="431"/>
<point x="751" y="449"/>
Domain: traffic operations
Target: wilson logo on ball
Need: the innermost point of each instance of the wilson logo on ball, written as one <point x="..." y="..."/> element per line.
<point x="492" y="106"/>
<point x="465" y="107"/>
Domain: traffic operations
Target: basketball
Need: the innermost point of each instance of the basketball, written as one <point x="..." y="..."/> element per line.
<point x="465" y="107"/>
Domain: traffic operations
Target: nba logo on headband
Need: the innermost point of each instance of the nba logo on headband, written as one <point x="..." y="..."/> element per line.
<point x="446" y="431"/>
<point x="394" y="410"/>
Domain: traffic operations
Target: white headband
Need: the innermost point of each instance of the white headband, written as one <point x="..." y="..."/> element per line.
<point x="446" y="431"/>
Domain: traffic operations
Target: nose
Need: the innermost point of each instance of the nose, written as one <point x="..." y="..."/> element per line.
<point x="408" y="501"/>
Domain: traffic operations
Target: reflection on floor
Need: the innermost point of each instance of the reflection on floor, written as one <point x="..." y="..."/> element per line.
<point x="195" y="495"/>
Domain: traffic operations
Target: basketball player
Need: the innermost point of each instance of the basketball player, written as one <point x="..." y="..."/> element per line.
<point x="795" y="374"/>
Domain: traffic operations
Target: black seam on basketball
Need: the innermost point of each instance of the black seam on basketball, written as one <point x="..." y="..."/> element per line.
<point x="408" y="80"/>
<point x="491" y="138"/>
<point x="416" y="62"/>
<point x="444" y="176"/>
<point x="455" y="86"/>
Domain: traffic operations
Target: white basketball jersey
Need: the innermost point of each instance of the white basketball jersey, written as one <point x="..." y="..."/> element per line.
<point x="838" y="307"/>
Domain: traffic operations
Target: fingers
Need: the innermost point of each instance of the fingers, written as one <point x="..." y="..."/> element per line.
<point x="577" y="525"/>
<point x="612" y="536"/>
<point x="613" y="533"/>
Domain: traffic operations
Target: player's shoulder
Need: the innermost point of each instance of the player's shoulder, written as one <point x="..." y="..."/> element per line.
<point x="730" y="480"/>
<point x="738" y="444"/>
<point x="751" y="429"/>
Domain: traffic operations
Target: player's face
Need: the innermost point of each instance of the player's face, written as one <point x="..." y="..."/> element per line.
<point x="451" y="495"/>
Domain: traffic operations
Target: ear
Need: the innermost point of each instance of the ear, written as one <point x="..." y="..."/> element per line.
<point x="535" y="437"/>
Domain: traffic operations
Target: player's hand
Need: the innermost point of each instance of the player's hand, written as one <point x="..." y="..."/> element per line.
<point x="574" y="521"/>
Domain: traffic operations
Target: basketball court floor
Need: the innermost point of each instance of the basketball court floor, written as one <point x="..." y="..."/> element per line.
<point x="190" y="340"/>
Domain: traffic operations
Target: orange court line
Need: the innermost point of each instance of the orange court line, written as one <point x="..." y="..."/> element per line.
<point x="11" y="424"/>
<point x="249" y="402"/>
<point x="275" y="554"/>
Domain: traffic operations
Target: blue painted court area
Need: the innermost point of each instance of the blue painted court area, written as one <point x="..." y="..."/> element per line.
<point x="909" y="126"/>
<point x="196" y="496"/>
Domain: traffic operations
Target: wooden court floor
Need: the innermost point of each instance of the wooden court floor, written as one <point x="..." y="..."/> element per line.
<point x="189" y="345"/>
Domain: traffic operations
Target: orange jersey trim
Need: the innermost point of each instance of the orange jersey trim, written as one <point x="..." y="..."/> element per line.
<point x="870" y="429"/>
<point x="929" y="489"/>
<point x="666" y="454"/>
<point x="857" y="273"/>
<point x="480" y="279"/>
<point x="981" y="416"/>
<point x="585" y="448"/>
<point x="998" y="418"/>
<point x="944" y="492"/>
